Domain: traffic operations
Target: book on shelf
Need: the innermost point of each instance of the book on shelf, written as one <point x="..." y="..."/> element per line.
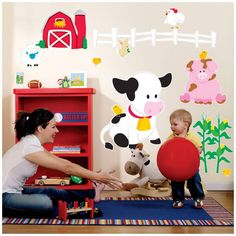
<point x="67" y="149"/>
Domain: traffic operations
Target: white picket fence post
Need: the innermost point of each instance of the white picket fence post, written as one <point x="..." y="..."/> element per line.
<point x="132" y="37"/>
<point x="196" y="39"/>
<point x="154" y="37"/>
<point x="213" y="39"/>
<point x="153" y="33"/>
<point x="175" y="35"/>
<point x="114" y="37"/>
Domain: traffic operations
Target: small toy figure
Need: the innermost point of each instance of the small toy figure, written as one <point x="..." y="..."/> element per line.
<point x="64" y="83"/>
<point x="150" y="181"/>
<point x="44" y="180"/>
<point x="76" y="179"/>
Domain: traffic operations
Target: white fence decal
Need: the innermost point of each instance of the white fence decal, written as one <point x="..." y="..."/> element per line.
<point x="154" y="37"/>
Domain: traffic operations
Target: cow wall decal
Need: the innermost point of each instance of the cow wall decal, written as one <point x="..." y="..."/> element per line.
<point x="139" y="121"/>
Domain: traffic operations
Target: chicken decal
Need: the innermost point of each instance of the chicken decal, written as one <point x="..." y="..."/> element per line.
<point x="174" y="18"/>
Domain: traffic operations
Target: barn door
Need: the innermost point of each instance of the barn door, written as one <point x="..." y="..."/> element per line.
<point x="59" y="39"/>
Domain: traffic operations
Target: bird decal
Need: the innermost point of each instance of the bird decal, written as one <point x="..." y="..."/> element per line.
<point x="174" y="18"/>
<point x="117" y="109"/>
<point x="203" y="55"/>
<point x="97" y="60"/>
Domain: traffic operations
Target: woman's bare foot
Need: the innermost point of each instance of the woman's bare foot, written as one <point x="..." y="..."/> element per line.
<point x="98" y="189"/>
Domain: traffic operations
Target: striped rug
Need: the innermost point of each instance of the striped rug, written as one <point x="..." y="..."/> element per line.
<point x="214" y="215"/>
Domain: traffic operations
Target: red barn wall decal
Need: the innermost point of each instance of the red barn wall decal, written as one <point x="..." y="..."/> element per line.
<point x="60" y="32"/>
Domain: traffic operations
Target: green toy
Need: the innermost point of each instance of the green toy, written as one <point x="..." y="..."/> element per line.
<point x="76" y="179"/>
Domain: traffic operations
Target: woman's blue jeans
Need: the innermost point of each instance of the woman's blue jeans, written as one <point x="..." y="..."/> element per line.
<point x="39" y="202"/>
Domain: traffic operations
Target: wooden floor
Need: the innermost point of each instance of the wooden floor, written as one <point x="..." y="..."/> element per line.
<point x="225" y="198"/>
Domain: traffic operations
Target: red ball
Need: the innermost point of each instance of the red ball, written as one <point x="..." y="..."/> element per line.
<point x="178" y="159"/>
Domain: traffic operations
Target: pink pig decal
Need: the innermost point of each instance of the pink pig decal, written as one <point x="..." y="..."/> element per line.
<point x="202" y="87"/>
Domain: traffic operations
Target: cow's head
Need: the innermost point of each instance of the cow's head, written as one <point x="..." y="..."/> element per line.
<point x="138" y="159"/>
<point x="143" y="91"/>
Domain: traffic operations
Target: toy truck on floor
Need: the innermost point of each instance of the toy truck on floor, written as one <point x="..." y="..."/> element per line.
<point x="44" y="180"/>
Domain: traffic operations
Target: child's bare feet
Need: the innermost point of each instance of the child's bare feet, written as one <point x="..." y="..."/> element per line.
<point x="98" y="189"/>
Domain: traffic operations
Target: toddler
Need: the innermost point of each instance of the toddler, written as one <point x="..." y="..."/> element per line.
<point x="180" y="121"/>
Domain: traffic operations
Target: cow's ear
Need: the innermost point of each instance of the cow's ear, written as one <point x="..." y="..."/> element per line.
<point x="126" y="86"/>
<point x="139" y="146"/>
<point x="165" y="80"/>
<point x="147" y="162"/>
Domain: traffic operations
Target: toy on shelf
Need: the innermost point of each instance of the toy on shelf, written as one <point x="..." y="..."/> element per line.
<point x="72" y="116"/>
<point x="67" y="149"/>
<point x="44" y="180"/>
<point x="64" y="211"/>
<point x="64" y="83"/>
<point x="76" y="179"/>
<point x="34" y="84"/>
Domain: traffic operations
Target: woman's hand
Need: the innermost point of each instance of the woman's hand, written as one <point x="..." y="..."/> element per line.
<point x="108" y="179"/>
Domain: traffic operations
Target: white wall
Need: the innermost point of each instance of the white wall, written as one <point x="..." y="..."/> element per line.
<point x="23" y="24"/>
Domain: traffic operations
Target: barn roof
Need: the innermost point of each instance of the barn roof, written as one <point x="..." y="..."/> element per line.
<point x="80" y="12"/>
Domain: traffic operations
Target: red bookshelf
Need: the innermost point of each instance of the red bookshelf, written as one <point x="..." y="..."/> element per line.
<point x="63" y="100"/>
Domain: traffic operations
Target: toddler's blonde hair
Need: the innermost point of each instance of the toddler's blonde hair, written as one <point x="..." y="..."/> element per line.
<point x="182" y="114"/>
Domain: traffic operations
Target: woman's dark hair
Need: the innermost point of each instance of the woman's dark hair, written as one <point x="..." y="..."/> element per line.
<point x="27" y="123"/>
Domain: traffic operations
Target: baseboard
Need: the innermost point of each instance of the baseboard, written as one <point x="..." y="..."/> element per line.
<point x="217" y="186"/>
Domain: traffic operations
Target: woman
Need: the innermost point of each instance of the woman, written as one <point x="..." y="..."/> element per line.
<point x="22" y="160"/>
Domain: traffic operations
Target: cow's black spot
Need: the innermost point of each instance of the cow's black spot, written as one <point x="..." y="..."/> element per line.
<point x="132" y="146"/>
<point x="121" y="140"/>
<point x="117" y="118"/>
<point x="108" y="146"/>
<point x="147" y="163"/>
<point x="156" y="141"/>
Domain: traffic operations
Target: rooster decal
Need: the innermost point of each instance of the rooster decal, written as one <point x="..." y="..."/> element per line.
<point x="174" y="18"/>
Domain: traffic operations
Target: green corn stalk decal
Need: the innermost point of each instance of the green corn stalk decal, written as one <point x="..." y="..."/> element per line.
<point x="213" y="135"/>
<point x="219" y="132"/>
<point x="205" y="125"/>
